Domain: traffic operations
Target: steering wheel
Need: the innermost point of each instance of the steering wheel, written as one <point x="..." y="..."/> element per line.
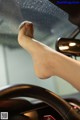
<point x="48" y="97"/>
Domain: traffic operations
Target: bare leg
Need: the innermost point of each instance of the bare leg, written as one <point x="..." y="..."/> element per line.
<point x="48" y="62"/>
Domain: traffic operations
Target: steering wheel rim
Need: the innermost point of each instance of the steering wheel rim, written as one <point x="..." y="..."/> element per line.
<point x="53" y="100"/>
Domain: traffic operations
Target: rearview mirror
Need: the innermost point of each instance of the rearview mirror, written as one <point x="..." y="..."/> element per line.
<point x="68" y="46"/>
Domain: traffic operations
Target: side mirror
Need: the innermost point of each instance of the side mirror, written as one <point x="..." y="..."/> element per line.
<point x="68" y="46"/>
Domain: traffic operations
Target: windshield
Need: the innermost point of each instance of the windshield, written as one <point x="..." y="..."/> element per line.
<point x="50" y="23"/>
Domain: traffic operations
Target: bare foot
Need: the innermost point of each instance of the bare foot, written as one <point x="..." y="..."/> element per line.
<point x="41" y="54"/>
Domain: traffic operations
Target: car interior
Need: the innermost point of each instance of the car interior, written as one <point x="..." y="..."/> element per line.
<point x="23" y="96"/>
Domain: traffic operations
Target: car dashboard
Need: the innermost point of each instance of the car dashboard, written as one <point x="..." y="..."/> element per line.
<point x="44" y="112"/>
<point x="22" y="109"/>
